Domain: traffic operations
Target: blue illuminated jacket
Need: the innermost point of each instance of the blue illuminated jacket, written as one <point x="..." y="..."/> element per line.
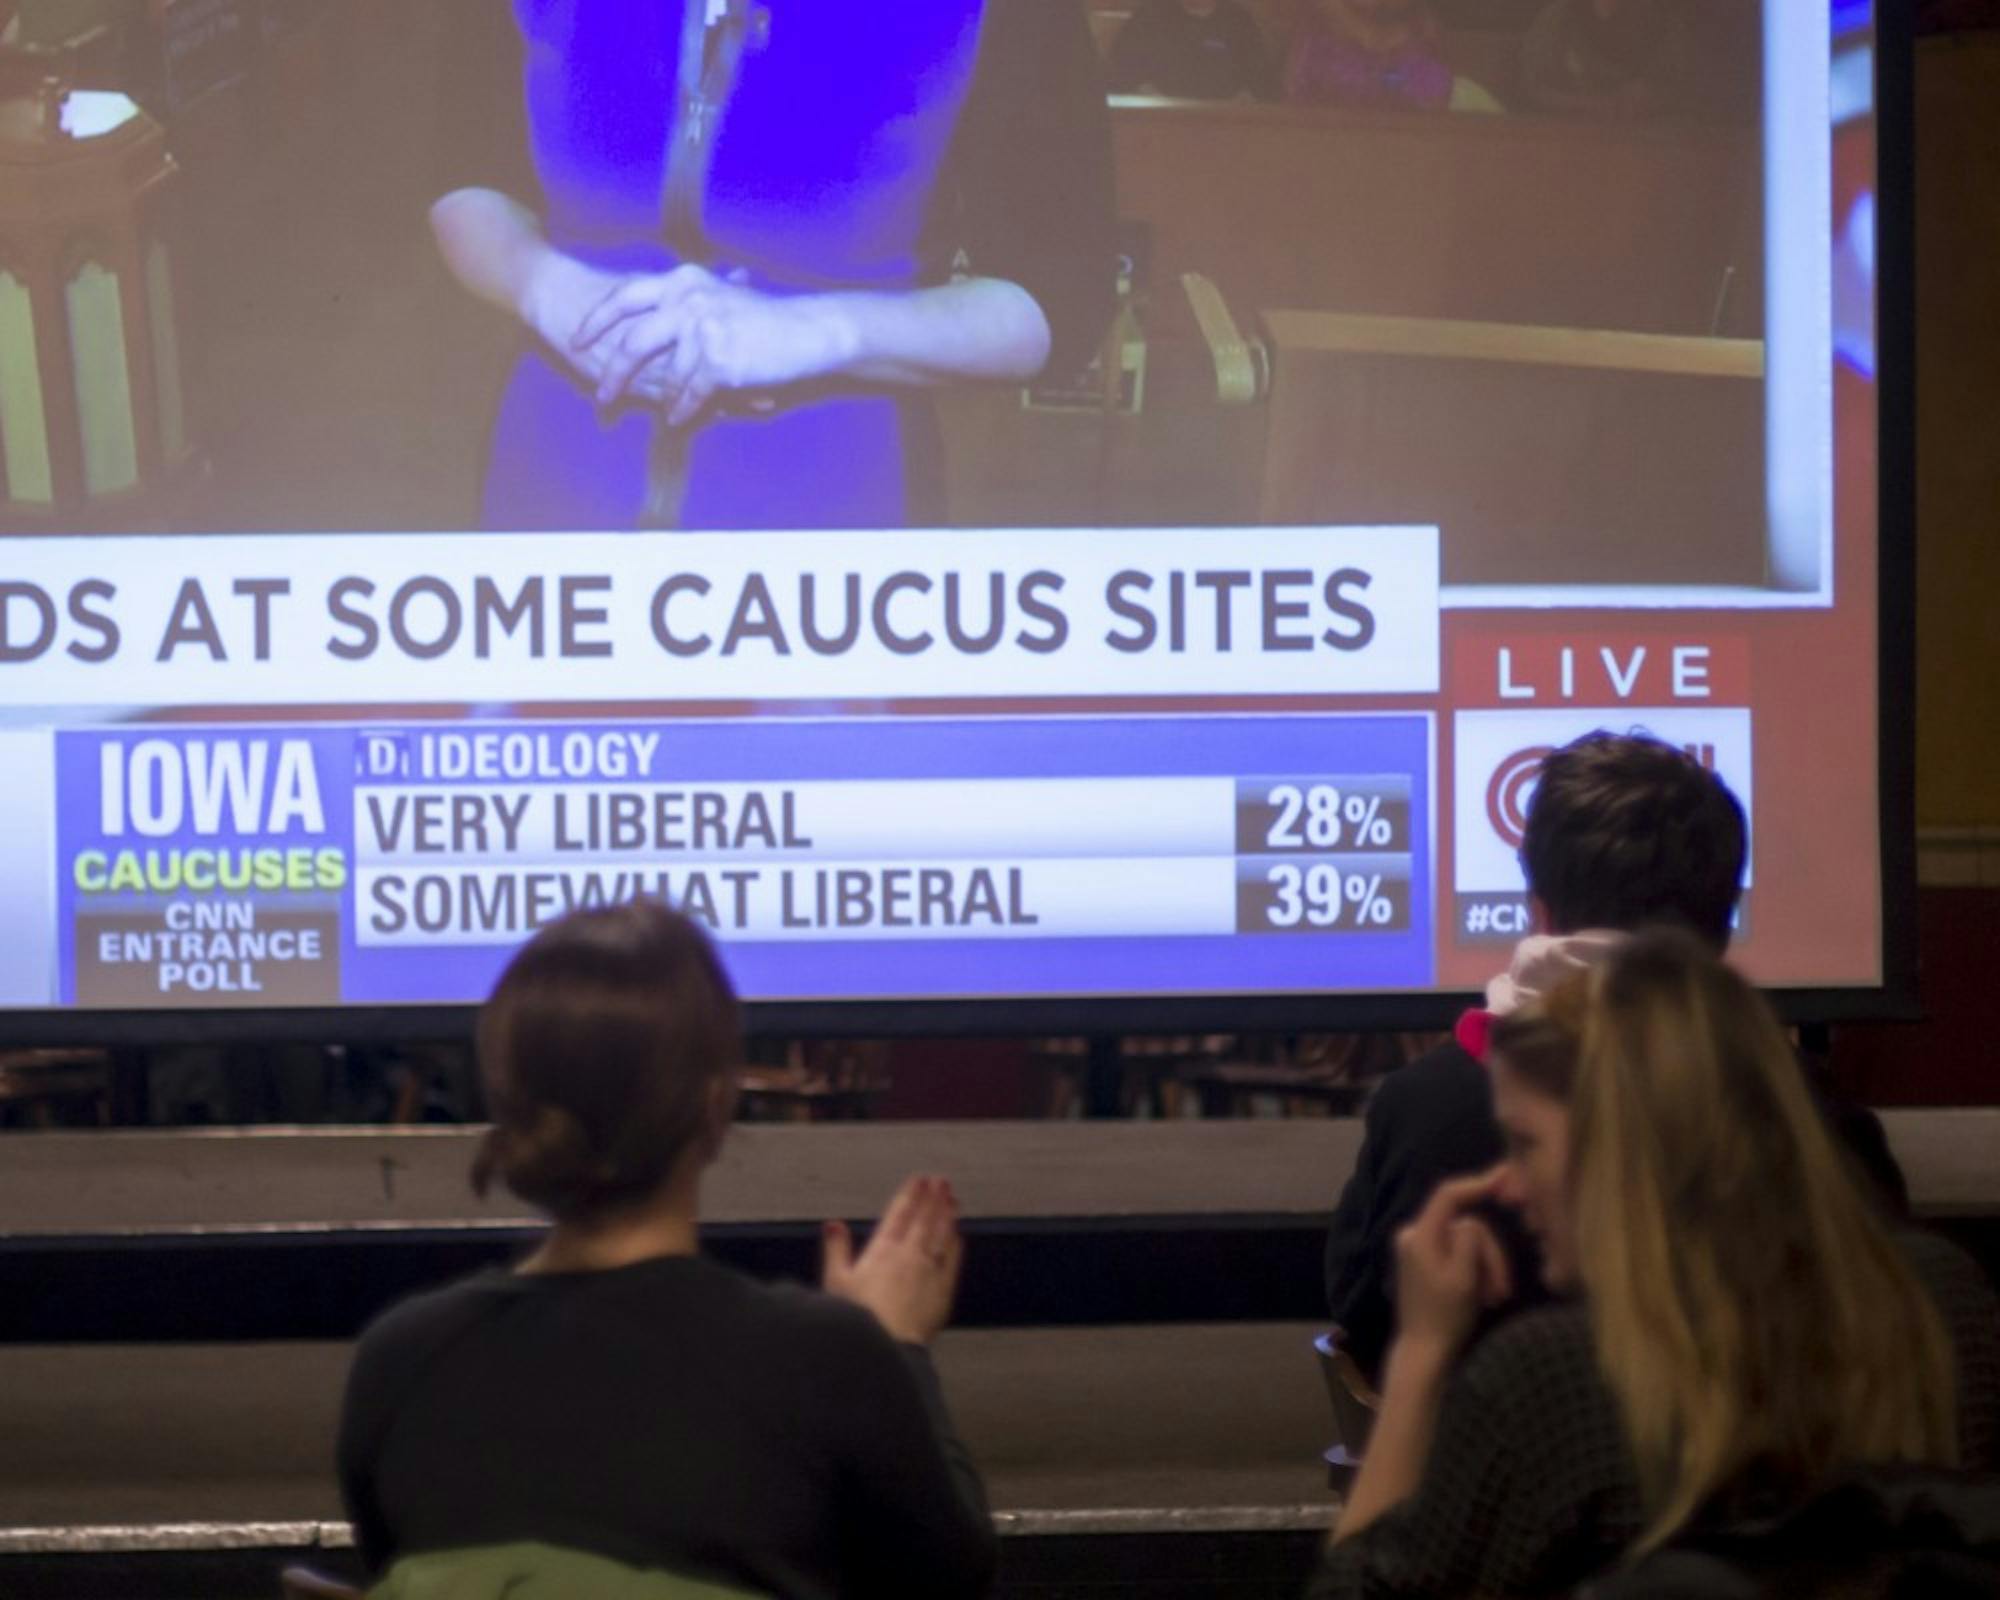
<point x="811" y="165"/>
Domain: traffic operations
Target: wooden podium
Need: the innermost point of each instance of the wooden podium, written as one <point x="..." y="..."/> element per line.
<point x="1545" y="455"/>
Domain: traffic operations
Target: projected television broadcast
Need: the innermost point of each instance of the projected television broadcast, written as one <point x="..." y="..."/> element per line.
<point x="992" y="500"/>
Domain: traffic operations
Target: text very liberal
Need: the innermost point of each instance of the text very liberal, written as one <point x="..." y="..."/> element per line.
<point x="588" y="821"/>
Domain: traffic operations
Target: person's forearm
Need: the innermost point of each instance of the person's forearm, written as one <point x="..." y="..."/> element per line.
<point x="1400" y="1443"/>
<point x="979" y="328"/>
<point x="493" y="245"/>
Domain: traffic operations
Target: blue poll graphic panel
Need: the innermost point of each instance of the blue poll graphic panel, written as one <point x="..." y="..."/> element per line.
<point x="912" y="859"/>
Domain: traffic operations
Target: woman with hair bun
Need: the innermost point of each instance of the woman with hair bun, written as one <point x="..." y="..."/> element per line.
<point x="618" y="1395"/>
<point x="1745" y="1333"/>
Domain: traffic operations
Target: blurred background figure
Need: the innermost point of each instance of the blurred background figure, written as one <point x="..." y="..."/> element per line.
<point x="1368" y="53"/>
<point x="1607" y="57"/>
<point x="1192" y="50"/>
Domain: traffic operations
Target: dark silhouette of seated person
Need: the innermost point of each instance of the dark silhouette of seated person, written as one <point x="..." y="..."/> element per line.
<point x="1607" y="58"/>
<point x="1739" y="1326"/>
<point x="1192" y="50"/>
<point x="618" y="1394"/>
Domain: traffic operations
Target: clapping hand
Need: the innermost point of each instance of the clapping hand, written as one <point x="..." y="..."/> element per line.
<point x="908" y="1273"/>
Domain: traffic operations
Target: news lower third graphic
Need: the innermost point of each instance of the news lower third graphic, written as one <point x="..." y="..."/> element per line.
<point x="329" y="864"/>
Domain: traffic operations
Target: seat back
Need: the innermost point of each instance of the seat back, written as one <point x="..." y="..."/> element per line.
<point x="1354" y="1400"/>
<point x="532" y="1571"/>
<point x="308" y="1583"/>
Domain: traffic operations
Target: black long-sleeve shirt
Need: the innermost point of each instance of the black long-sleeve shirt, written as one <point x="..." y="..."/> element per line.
<point x="670" y="1414"/>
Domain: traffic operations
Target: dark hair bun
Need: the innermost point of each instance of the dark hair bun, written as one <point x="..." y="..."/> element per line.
<point x="548" y="1161"/>
<point x="602" y="1048"/>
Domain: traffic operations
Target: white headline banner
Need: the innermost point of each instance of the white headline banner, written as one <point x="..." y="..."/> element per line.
<point x="385" y="620"/>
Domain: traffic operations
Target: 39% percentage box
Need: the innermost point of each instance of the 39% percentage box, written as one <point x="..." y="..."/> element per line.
<point x="1327" y="894"/>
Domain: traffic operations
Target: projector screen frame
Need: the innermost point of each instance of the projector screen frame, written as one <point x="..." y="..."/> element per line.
<point x="1897" y="998"/>
<point x="1894" y="998"/>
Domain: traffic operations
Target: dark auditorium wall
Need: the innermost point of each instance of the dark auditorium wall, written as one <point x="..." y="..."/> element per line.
<point x="1958" y="407"/>
<point x="1951" y="1058"/>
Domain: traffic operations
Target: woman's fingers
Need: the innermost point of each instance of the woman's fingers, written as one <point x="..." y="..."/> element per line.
<point x="937" y="1227"/>
<point x="665" y="377"/>
<point x="636" y="297"/>
<point x="930" y="1225"/>
<point x="689" y="353"/>
<point x="626" y="357"/>
<point x="649" y="384"/>
<point x="908" y="1274"/>
<point x="1449" y="1263"/>
<point x="949" y="1264"/>
<point x="1496" y="1278"/>
<point x="1465" y="1258"/>
<point x="691" y="378"/>
<point x="1450" y="1201"/>
<point x="685" y="341"/>
<point x="632" y="298"/>
<point x="1458" y="1194"/>
<point x="900" y="1217"/>
<point x="693" y="401"/>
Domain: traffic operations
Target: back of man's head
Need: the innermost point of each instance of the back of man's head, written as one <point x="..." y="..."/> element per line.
<point x="1625" y="830"/>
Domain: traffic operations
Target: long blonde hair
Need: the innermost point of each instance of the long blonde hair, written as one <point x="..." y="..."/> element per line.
<point x="1749" y="1310"/>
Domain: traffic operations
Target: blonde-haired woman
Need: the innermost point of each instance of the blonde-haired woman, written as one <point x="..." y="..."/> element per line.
<point x="1746" y="1327"/>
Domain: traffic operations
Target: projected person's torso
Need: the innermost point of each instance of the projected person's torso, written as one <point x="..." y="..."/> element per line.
<point x="797" y="142"/>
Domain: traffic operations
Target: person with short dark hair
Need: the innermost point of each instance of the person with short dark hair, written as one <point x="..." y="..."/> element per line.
<point x="1192" y="50"/>
<point x="616" y="1393"/>
<point x="1626" y="831"/>
<point x="1623" y="832"/>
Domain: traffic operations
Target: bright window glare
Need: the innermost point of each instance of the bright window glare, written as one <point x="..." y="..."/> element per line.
<point x="92" y="113"/>
<point x="1853" y="85"/>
